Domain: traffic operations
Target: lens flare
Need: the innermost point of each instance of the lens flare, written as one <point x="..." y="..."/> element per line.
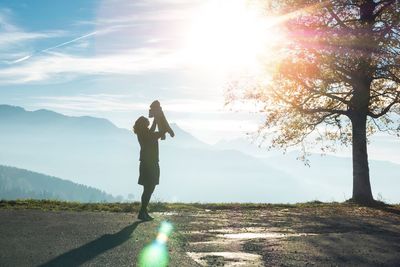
<point x="156" y="253"/>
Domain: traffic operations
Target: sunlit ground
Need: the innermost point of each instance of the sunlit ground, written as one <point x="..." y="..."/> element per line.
<point x="156" y="253"/>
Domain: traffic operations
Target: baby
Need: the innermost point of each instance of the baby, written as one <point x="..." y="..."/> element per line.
<point x="162" y="123"/>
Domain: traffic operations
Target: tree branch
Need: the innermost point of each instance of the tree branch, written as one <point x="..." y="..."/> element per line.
<point x="322" y="110"/>
<point x="319" y="121"/>
<point x="336" y="17"/>
<point x="380" y="94"/>
<point x="385" y="110"/>
<point x="382" y="5"/>
<point x="329" y="95"/>
<point x="313" y="110"/>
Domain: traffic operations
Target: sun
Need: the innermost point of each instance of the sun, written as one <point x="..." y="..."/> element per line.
<point x="231" y="36"/>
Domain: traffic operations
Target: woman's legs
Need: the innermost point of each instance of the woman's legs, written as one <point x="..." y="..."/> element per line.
<point x="147" y="192"/>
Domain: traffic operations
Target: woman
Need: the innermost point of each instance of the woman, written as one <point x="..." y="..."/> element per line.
<point x="149" y="169"/>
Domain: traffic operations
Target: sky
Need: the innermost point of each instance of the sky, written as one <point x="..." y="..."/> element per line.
<point x="112" y="58"/>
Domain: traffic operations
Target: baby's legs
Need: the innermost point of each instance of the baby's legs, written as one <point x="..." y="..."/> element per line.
<point x="160" y="120"/>
<point x="163" y="125"/>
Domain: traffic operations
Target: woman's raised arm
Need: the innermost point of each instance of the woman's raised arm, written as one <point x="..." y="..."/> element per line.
<point x="153" y="126"/>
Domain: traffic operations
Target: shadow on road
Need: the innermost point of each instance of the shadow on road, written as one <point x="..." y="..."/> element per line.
<point x="96" y="247"/>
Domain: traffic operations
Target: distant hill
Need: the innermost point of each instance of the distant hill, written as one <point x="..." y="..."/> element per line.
<point x="23" y="184"/>
<point x="331" y="174"/>
<point x="94" y="152"/>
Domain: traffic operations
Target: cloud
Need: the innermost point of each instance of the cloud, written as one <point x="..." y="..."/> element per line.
<point x="13" y="39"/>
<point x="140" y="13"/>
<point x="69" y="42"/>
<point x="51" y="48"/>
<point x="89" y="103"/>
<point x="218" y="125"/>
<point x="144" y="11"/>
<point x="125" y="40"/>
<point x="20" y="59"/>
<point x="148" y="16"/>
<point x="54" y="64"/>
<point x="118" y="102"/>
<point x="11" y="34"/>
<point x="17" y="37"/>
<point x="60" y="66"/>
<point x="105" y="30"/>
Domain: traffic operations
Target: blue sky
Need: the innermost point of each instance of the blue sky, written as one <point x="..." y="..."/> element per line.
<point x="112" y="58"/>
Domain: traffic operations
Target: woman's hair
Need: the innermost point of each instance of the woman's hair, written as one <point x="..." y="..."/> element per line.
<point x="141" y="124"/>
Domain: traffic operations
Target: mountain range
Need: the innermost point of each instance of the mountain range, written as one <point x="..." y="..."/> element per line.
<point x="94" y="152"/>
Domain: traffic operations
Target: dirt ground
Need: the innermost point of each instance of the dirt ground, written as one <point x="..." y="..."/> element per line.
<point x="206" y="235"/>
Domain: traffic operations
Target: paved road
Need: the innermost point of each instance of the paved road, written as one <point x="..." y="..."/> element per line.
<point x="44" y="238"/>
<point x="319" y="235"/>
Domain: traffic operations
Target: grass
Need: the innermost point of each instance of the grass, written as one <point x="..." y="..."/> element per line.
<point x="54" y="205"/>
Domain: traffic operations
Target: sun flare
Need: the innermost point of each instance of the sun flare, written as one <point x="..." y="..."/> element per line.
<point x="231" y="36"/>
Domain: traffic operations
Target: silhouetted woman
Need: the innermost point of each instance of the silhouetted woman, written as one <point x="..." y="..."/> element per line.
<point x="149" y="170"/>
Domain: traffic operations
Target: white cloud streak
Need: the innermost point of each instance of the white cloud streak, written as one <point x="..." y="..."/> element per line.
<point x="55" y="65"/>
<point x="69" y="42"/>
<point x="111" y="102"/>
<point x="51" y="48"/>
<point x="10" y="34"/>
<point x="16" y="37"/>
<point x="98" y="32"/>
<point x="13" y="37"/>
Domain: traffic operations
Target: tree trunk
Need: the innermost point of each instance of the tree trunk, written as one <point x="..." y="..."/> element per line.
<point x="361" y="183"/>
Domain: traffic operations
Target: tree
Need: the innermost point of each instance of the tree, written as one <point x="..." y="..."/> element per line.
<point x="338" y="79"/>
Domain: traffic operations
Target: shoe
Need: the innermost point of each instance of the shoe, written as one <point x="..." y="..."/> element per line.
<point x="142" y="216"/>
<point x="149" y="218"/>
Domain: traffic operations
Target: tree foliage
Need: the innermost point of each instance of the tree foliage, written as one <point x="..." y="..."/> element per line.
<point x="341" y="60"/>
